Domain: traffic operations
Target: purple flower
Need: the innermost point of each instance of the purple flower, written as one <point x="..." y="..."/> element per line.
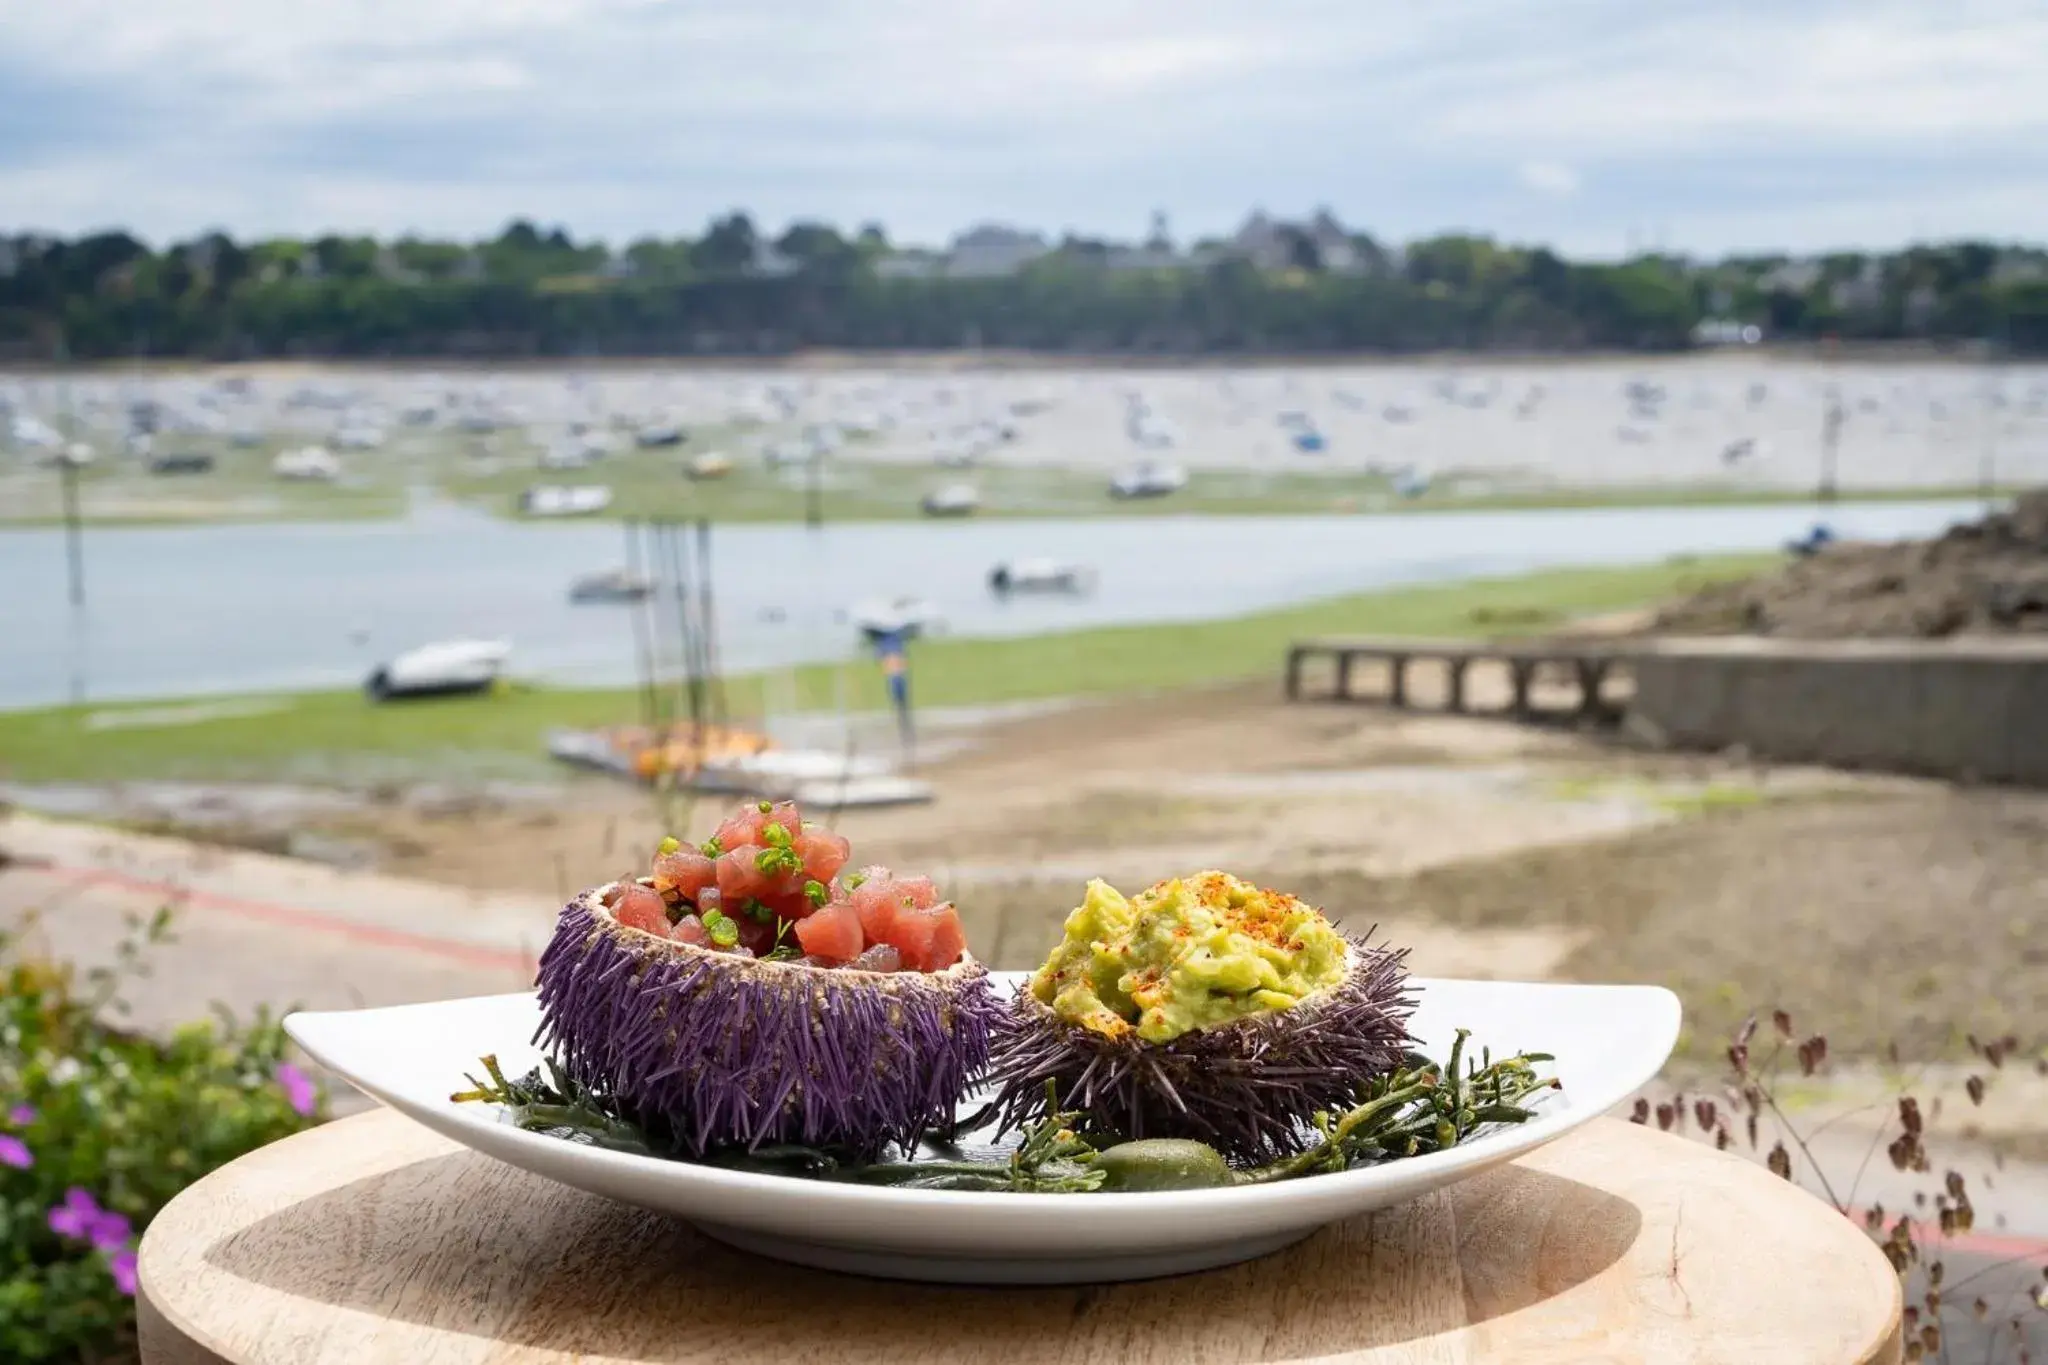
<point x="109" y="1231"/>
<point x="122" y="1266"/>
<point x="77" y="1216"/>
<point x="22" y="1115"/>
<point x="299" y="1090"/>
<point x="14" y="1152"/>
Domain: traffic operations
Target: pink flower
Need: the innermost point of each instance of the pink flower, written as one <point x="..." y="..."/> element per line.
<point x="299" y="1090"/>
<point x="77" y="1216"/>
<point x="22" y="1115"/>
<point x="122" y="1266"/>
<point x="109" y="1231"/>
<point x="14" y="1152"/>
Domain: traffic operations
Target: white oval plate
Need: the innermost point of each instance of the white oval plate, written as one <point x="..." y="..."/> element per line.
<point x="1608" y="1041"/>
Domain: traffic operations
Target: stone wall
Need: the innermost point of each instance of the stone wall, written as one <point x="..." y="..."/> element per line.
<point x="1973" y="710"/>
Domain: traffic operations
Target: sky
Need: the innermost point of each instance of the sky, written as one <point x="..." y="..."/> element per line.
<point x="1594" y="126"/>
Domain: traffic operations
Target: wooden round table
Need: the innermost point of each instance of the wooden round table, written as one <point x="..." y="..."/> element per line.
<point x="373" y="1240"/>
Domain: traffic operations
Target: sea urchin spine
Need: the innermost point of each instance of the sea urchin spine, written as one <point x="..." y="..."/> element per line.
<point x="1247" y="1088"/>
<point x="723" y="1049"/>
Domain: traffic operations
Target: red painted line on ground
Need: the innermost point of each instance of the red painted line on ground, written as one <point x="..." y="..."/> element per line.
<point x="269" y="912"/>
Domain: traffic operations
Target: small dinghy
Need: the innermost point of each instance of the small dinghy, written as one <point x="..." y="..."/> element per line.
<point x="1040" y="576"/>
<point x="953" y="500"/>
<point x="1148" y="479"/>
<point x="611" y="585"/>
<point x="445" y="668"/>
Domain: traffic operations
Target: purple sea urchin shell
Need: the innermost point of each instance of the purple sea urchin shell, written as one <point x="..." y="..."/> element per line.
<point x="1246" y="1088"/>
<point x="725" y="1049"/>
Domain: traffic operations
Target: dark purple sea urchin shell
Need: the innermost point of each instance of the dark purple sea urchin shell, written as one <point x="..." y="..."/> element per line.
<point x="725" y="1049"/>
<point x="1245" y="1088"/>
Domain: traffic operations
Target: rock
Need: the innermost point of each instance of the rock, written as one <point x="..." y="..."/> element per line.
<point x="1988" y="577"/>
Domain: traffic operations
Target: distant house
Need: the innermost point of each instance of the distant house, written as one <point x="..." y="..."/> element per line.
<point x="1155" y="253"/>
<point x="468" y="267"/>
<point x="770" y="262"/>
<point x="1921" y="302"/>
<point x="120" y="279"/>
<point x="201" y="255"/>
<point x="1265" y="243"/>
<point x="992" y="250"/>
<point x="2017" y="267"/>
<point x="1862" y="292"/>
<point x="1335" y="251"/>
<point x="386" y="266"/>
<point x="618" y="266"/>
<point x="31" y="246"/>
<point x="1322" y="243"/>
<point x="1146" y="257"/>
<point x="1790" y="277"/>
<point x="10" y="258"/>
<point x="910" y="265"/>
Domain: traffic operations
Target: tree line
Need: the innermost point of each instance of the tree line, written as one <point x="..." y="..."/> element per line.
<point x="735" y="291"/>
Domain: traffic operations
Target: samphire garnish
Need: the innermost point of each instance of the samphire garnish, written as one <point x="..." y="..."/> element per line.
<point x="1419" y="1107"/>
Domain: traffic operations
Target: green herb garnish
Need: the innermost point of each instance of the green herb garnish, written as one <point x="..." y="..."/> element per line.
<point x="774" y="860"/>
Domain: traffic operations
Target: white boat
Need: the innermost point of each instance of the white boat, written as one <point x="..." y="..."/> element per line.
<point x="952" y="500"/>
<point x="35" y="433"/>
<point x="1040" y="575"/>
<point x="556" y="500"/>
<point x="77" y="455"/>
<point x="1148" y="479"/>
<point x="712" y="464"/>
<point x="308" y="464"/>
<point x="574" y="453"/>
<point x="444" y="668"/>
<point x="910" y="616"/>
<point x="1151" y="432"/>
<point x="611" y="585"/>
<point x="790" y="454"/>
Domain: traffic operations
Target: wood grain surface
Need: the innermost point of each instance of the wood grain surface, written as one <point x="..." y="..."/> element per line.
<point x="373" y="1240"/>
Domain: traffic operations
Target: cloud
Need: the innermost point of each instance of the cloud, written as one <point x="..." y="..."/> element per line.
<point x="1750" y="124"/>
<point x="1548" y="177"/>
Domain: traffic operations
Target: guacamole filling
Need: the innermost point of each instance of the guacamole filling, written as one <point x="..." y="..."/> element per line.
<point x="1189" y="953"/>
